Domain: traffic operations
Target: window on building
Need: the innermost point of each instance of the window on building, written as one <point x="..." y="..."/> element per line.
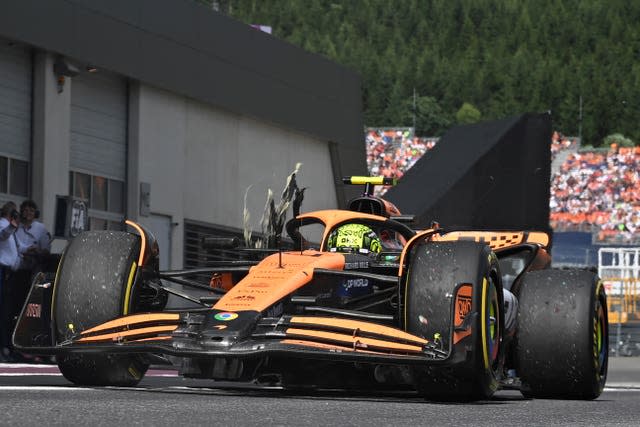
<point x="99" y="193"/>
<point x="116" y="196"/>
<point x="104" y="198"/>
<point x="4" y="174"/>
<point x="19" y="177"/>
<point x="81" y="185"/>
<point x="14" y="176"/>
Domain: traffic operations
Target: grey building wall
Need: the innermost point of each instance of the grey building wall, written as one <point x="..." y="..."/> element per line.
<point x="215" y="108"/>
<point x="188" y="49"/>
<point x="200" y="162"/>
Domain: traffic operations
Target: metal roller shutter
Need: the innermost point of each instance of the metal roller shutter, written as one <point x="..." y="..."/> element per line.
<point x="15" y="117"/>
<point x="98" y="149"/>
<point x="99" y="125"/>
<point x="15" y="100"/>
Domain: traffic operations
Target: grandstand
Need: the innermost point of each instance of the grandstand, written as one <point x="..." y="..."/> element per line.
<point x="593" y="191"/>
<point x="392" y="151"/>
<point x="599" y="192"/>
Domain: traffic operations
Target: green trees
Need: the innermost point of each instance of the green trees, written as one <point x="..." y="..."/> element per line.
<point x="468" y="114"/>
<point x="503" y="57"/>
<point x="619" y="139"/>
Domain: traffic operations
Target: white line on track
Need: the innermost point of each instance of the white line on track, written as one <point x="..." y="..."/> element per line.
<point x="28" y="369"/>
<point x="41" y="388"/>
<point x="622" y="387"/>
<point x="26" y="365"/>
<point x="22" y="374"/>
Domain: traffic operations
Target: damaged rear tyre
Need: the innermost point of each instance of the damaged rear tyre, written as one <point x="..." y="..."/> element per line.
<point x="94" y="284"/>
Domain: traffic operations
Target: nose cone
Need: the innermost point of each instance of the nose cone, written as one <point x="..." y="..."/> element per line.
<point x="225" y="328"/>
<point x="276" y="277"/>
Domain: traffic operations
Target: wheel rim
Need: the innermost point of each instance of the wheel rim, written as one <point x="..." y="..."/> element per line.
<point x="491" y="323"/>
<point x="600" y="349"/>
<point x="494" y="323"/>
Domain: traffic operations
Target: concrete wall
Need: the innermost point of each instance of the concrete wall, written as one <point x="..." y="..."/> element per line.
<point x="200" y="160"/>
<point x="190" y="50"/>
<point x="51" y="122"/>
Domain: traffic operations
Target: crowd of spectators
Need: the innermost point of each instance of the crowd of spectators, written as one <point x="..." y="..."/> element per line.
<point x="592" y="191"/>
<point x="391" y="152"/>
<point x="559" y="143"/>
<point x="599" y="191"/>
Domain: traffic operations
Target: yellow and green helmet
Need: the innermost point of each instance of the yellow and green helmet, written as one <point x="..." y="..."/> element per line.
<point x="354" y="238"/>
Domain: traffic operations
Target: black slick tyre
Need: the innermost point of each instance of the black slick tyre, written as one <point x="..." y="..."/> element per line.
<point x="94" y="285"/>
<point x="562" y="338"/>
<point x="453" y="294"/>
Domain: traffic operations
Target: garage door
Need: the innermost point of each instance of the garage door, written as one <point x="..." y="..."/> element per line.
<point x="98" y="154"/>
<point x="99" y="124"/>
<point x="15" y="118"/>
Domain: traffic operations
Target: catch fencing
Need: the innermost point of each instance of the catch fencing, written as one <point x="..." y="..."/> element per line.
<point x="619" y="269"/>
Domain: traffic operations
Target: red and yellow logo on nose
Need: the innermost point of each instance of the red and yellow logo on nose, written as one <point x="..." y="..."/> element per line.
<point x="225" y="316"/>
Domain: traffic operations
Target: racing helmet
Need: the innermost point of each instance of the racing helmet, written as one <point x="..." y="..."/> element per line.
<point x="354" y="238"/>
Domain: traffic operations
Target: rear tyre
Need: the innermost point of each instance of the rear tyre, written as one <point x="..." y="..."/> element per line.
<point x="94" y="285"/>
<point x="562" y="338"/>
<point x="437" y="273"/>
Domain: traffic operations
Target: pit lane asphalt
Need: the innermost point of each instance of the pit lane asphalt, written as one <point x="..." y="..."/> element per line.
<point x="31" y="395"/>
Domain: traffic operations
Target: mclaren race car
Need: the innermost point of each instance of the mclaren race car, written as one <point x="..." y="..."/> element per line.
<point x="360" y="301"/>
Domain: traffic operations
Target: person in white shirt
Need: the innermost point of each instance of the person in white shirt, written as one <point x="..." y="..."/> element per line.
<point x="9" y="256"/>
<point x="10" y="261"/>
<point x="34" y="241"/>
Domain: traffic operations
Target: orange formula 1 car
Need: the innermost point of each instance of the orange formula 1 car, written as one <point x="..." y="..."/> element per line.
<point x="362" y="301"/>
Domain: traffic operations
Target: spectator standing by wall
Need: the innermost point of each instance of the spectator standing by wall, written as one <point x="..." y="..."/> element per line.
<point x="34" y="241"/>
<point x="9" y="262"/>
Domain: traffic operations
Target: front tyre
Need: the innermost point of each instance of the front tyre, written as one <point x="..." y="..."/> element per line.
<point x="94" y="284"/>
<point x="453" y="294"/>
<point x="563" y="334"/>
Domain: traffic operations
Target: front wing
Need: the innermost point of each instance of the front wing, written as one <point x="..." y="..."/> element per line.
<point x="285" y="335"/>
<point x="212" y="333"/>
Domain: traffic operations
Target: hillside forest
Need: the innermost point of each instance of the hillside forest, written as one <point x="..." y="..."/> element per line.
<point x="432" y="64"/>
